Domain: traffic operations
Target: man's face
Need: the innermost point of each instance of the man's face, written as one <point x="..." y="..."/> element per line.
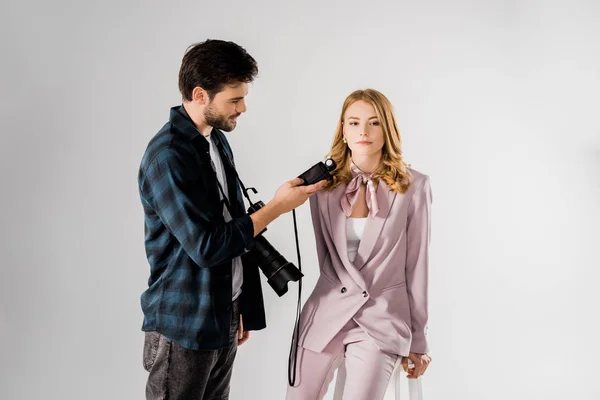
<point x="222" y="111"/>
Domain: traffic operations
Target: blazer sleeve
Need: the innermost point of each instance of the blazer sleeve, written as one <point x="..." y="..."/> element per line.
<point x="417" y="262"/>
<point x="317" y="226"/>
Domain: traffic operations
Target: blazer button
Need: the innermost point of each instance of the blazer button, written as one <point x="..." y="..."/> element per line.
<point x="344" y="290"/>
<point x="365" y="294"/>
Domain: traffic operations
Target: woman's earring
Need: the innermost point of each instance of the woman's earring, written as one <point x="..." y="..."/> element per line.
<point x="345" y="141"/>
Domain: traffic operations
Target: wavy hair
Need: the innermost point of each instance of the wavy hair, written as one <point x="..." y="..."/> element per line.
<point x="392" y="170"/>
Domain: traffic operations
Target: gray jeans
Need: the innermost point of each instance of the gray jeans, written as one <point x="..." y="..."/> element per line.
<point x="178" y="373"/>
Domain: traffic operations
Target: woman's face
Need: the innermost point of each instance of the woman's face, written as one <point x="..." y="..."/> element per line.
<point x="362" y="129"/>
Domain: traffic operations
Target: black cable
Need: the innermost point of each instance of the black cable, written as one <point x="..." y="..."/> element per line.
<point x="294" y="347"/>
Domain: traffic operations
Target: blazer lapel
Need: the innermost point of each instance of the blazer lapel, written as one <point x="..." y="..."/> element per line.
<point x="373" y="226"/>
<point x="337" y="221"/>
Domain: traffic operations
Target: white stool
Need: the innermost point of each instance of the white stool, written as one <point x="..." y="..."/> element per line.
<point x="415" y="390"/>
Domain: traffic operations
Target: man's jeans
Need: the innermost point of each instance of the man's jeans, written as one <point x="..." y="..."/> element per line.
<point x="178" y="373"/>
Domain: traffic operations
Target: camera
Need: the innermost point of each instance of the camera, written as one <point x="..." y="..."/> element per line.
<point x="274" y="266"/>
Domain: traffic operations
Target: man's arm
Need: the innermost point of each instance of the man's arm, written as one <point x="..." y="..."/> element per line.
<point x="177" y="195"/>
<point x="289" y="196"/>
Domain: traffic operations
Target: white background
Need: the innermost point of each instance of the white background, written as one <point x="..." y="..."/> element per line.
<point x="498" y="101"/>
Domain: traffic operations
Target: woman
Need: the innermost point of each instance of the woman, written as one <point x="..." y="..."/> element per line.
<point x="371" y="223"/>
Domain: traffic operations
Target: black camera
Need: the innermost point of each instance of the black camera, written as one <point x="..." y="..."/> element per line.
<point x="273" y="265"/>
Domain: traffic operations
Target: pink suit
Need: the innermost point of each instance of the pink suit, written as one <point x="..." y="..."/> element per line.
<point x="379" y="301"/>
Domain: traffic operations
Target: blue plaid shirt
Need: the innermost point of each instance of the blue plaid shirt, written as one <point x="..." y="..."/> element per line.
<point x="188" y="243"/>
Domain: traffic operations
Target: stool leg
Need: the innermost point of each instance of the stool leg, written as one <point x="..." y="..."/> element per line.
<point x="397" y="379"/>
<point x="415" y="389"/>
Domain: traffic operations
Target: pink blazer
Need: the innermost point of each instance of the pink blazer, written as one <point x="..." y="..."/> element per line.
<point x="385" y="289"/>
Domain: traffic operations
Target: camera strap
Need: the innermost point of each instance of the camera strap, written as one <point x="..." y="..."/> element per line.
<point x="293" y="357"/>
<point x="224" y="200"/>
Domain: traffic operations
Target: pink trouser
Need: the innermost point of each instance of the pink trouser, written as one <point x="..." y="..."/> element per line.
<point x="368" y="369"/>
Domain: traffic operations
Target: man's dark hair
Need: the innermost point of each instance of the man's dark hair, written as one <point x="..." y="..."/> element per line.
<point x="212" y="65"/>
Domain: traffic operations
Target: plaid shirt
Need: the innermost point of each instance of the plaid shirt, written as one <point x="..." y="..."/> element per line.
<point x="189" y="245"/>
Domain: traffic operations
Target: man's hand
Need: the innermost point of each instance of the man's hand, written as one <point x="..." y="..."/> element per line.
<point x="243" y="335"/>
<point x="420" y="363"/>
<point x="290" y="195"/>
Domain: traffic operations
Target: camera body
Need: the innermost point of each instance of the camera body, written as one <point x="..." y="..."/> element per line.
<point x="273" y="265"/>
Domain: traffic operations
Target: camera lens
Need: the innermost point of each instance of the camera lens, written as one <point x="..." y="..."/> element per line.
<point x="274" y="266"/>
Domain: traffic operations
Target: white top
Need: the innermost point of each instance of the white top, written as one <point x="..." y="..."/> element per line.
<point x="355" y="228"/>
<point x="236" y="265"/>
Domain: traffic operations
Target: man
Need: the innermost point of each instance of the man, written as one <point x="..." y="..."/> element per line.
<point x="204" y="295"/>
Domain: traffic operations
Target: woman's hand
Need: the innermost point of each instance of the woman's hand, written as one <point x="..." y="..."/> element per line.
<point x="420" y="362"/>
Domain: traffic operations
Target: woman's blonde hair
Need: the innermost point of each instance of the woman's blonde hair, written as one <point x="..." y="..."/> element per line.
<point x="392" y="169"/>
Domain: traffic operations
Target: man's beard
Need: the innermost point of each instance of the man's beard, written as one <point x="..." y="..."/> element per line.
<point x="214" y="119"/>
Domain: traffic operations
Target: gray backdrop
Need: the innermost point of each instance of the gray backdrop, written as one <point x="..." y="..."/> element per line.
<point x="497" y="101"/>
